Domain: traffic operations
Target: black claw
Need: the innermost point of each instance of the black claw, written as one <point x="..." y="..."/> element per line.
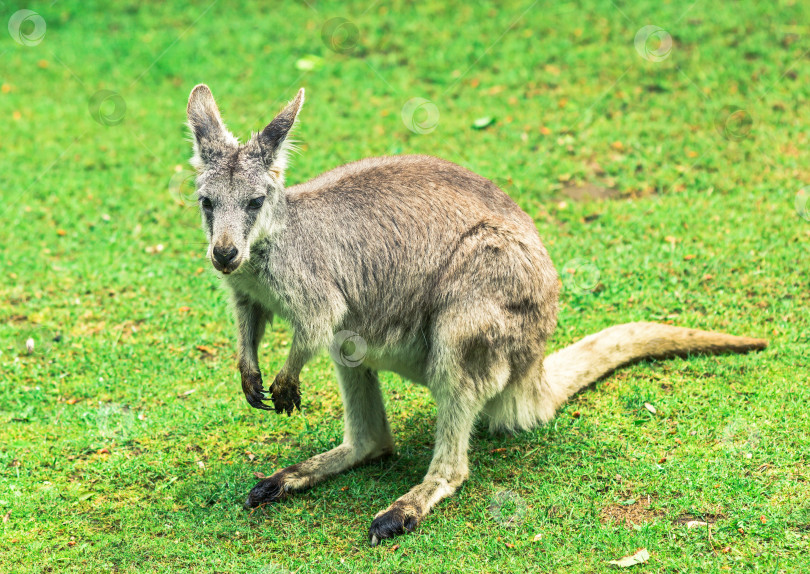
<point x="255" y="400"/>
<point x="254" y="390"/>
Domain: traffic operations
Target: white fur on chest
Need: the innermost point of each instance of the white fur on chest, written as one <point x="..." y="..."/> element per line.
<point x="256" y="288"/>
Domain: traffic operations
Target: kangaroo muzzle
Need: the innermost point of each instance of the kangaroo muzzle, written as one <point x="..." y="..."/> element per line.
<point x="225" y="257"/>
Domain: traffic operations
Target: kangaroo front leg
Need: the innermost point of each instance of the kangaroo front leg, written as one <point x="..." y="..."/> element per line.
<point x="285" y="390"/>
<point x="251" y="321"/>
<point x="447" y="471"/>
<point x="366" y="435"/>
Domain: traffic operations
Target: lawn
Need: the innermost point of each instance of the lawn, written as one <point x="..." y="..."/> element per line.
<point x="665" y="170"/>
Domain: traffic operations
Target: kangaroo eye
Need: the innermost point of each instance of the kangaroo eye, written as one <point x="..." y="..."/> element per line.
<point x="206" y="204"/>
<point x="256" y="202"/>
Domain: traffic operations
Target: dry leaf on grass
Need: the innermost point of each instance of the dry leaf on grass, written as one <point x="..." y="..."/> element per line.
<point x="639" y="557"/>
<point x="483" y="123"/>
<point x="207" y="352"/>
<point x="696" y="524"/>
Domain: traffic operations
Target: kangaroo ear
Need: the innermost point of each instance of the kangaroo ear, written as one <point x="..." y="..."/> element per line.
<point x="211" y="138"/>
<point x="275" y="146"/>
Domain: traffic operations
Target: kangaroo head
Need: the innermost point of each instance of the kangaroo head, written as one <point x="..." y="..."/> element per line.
<point x="240" y="187"/>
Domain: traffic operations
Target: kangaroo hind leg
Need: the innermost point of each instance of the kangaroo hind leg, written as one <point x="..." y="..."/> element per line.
<point x="469" y="366"/>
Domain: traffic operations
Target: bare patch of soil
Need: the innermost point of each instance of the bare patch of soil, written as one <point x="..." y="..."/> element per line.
<point x="629" y="513"/>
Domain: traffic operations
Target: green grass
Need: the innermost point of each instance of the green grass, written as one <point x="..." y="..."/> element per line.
<point x="107" y="465"/>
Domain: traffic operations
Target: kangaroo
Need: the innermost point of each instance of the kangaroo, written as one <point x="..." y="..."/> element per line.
<point x="430" y="270"/>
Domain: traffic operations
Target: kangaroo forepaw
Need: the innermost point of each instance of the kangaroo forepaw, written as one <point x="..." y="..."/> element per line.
<point x="285" y="394"/>
<point x="254" y="390"/>
<point x="398" y="519"/>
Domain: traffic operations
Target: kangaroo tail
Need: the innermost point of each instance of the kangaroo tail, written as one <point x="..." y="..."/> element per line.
<point x="577" y="366"/>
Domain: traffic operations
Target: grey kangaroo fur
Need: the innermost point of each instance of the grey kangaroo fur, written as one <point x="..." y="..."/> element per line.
<point x="433" y="267"/>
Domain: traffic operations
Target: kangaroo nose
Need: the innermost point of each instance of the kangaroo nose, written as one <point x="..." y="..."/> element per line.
<point x="224" y="255"/>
